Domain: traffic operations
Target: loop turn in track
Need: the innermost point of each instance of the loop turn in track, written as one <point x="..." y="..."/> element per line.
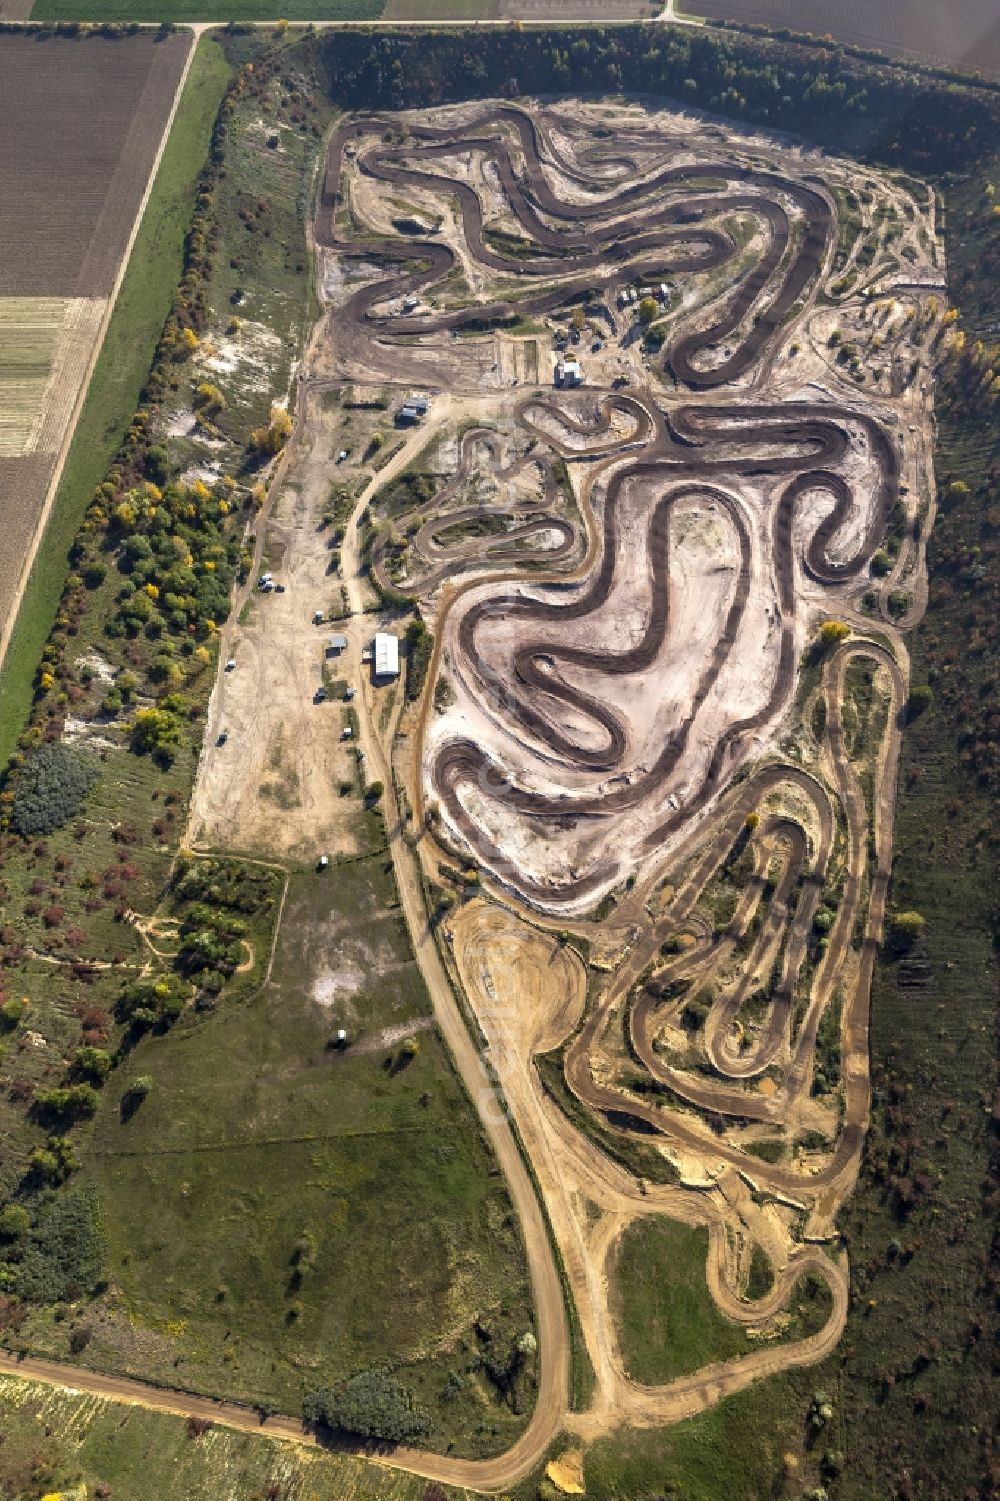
<point x="632" y="726"/>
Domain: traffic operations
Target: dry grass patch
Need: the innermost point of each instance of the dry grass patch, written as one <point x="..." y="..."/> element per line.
<point x="44" y="346"/>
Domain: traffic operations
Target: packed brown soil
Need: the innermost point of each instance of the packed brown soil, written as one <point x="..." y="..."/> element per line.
<point x="965" y="33"/>
<point x="22" y="482"/>
<point x="80" y="121"/>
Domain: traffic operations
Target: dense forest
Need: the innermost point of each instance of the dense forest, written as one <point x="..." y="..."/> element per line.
<point x="918" y="1365"/>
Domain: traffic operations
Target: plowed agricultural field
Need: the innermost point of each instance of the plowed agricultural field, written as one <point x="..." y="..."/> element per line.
<point x="80" y="120"/>
<point x="518" y="10"/>
<point x="964" y="33"/>
<point x="80" y="124"/>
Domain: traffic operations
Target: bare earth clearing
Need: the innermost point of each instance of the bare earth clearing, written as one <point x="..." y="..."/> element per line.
<point x="651" y="805"/>
<point x="71" y="192"/>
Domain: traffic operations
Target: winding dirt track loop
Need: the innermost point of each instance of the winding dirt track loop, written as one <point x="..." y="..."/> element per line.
<point x="679" y="448"/>
<point x="815" y="847"/>
<point x="814" y="429"/>
<point x="810" y="829"/>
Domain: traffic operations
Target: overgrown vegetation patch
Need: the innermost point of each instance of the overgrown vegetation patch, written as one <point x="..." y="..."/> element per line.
<point x="289" y="1167"/>
<point x="51" y="788"/>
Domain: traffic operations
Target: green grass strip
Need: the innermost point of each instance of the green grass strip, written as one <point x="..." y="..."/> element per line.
<point x="152" y="277"/>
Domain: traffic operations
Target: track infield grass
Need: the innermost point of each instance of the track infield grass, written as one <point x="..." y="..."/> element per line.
<point x="668" y="1322"/>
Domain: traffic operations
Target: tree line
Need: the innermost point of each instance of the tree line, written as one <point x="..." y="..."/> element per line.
<point x="891" y="113"/>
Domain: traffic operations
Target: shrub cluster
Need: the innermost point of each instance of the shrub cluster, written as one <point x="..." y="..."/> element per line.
<point x="224" y="883"/>
<point x="177" y="566"/>
<point x="419" y="649"/>
<point x="51" y="788"/>
<point x="154" y="1002"/>
<point x="66" y="1103"/>
<point x="369" y="1405"/>
<point x="61" y="1256"/>
<point x="211" y="946"/>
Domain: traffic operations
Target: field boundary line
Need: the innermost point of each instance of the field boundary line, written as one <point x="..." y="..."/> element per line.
<point x="53" y="487"/>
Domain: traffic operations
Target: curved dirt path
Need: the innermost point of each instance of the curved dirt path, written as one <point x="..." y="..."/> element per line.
<point x="528" y="992"/>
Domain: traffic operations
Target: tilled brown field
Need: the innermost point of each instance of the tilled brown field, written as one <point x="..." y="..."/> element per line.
<point x="22" y="485"/>
<point x="965" y="33"/>
<point x="81" y="121"/>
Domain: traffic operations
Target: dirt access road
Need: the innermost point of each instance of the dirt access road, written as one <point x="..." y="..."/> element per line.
<point x="290" y="637"/>
<point x="550" y="1312"/>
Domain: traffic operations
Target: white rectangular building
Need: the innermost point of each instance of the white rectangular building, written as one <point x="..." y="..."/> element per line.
<point x="385" y="655"/>
<point x="569" y="373"/>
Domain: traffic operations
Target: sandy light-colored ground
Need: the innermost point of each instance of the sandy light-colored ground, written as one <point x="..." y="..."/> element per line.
<point x="275" y="782"/>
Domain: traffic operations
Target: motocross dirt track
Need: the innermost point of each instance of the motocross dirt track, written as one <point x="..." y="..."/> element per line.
<point x="657" y="799"/>
<point x="739" y="842"/>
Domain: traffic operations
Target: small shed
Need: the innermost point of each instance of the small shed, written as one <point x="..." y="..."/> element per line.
<point x="414" y="408"/>
<point x="569" y="373"/>
<point x="336" y="646"/>
<point x="385" y="656"/>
